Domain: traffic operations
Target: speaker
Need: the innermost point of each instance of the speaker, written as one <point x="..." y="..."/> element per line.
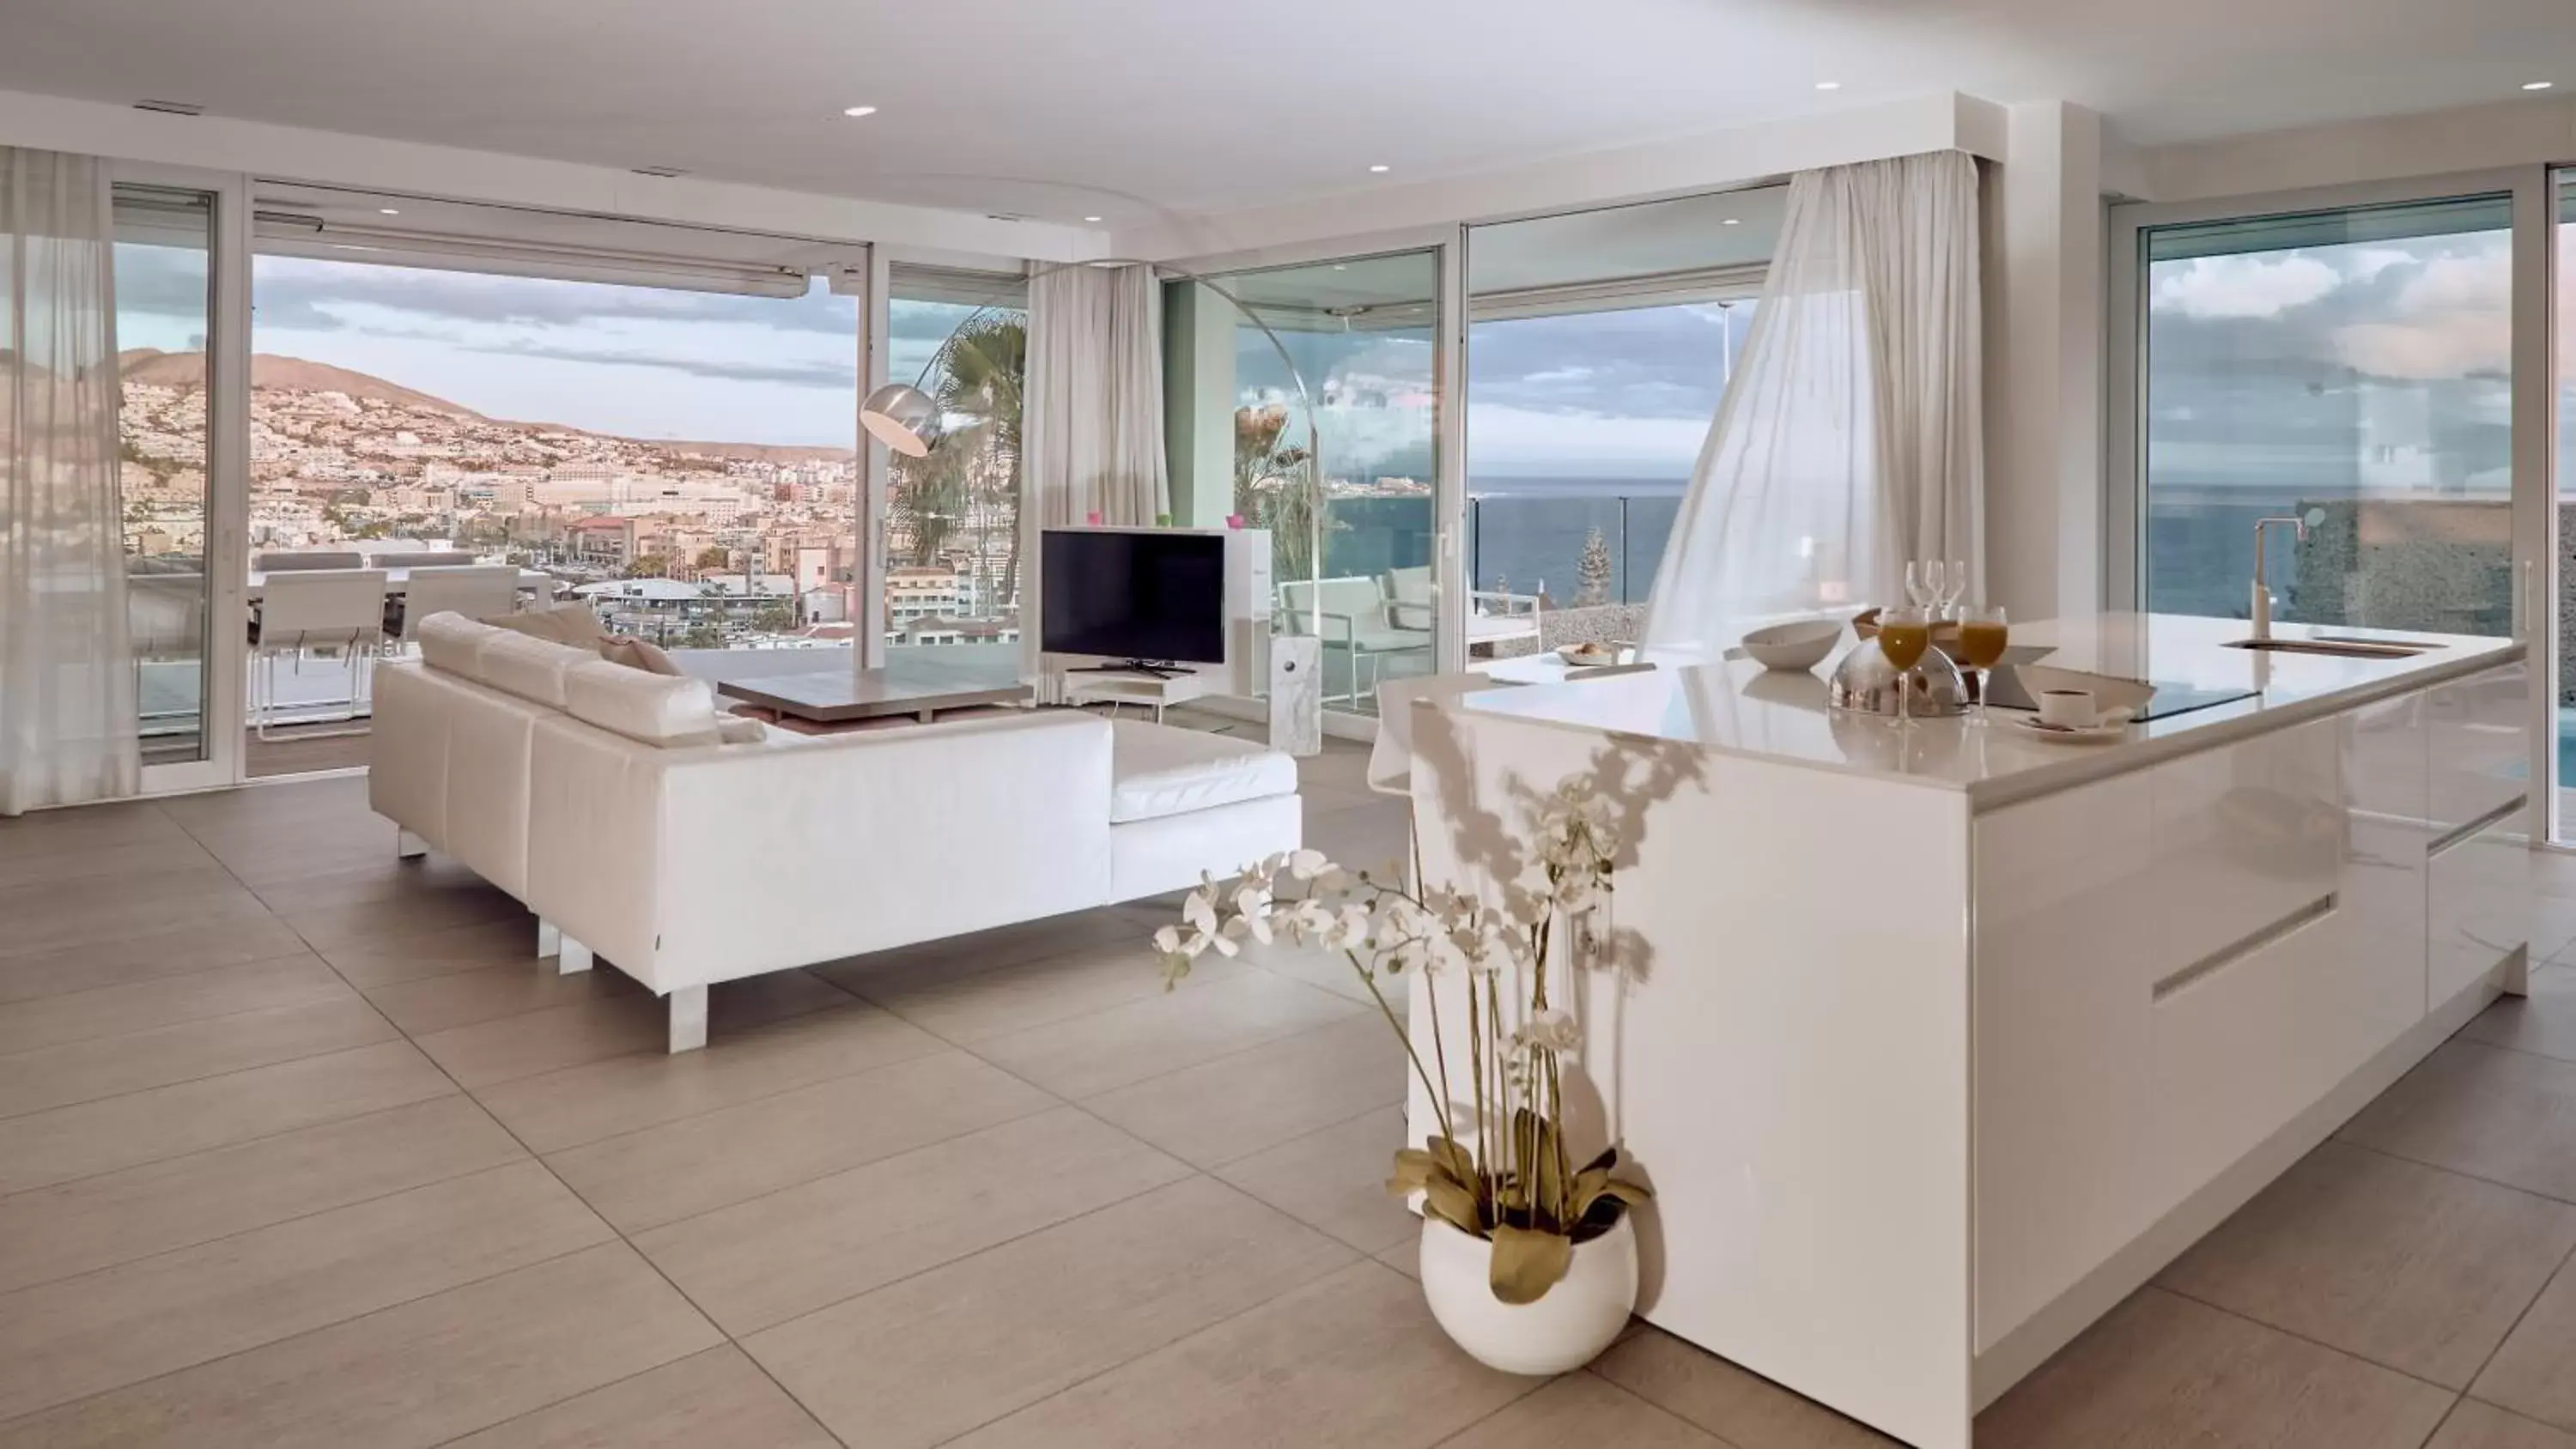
<point x="1297" y="694"/>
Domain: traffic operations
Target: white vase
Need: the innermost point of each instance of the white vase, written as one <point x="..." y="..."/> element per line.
<point x="1565" y="1329"/>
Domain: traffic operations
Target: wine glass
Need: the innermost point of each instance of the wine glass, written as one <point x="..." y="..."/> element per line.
<point x="1983" y="635"/>
<point x="1958" y="588"/>
<point x="1914" y="588"/>
<point x="1903" y="635"/>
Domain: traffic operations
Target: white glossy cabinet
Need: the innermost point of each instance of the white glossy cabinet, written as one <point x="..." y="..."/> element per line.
<point x="2478" y="902"/>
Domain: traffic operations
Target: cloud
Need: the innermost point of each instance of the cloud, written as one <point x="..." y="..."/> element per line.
<point x="843" y="376"/>
<point x="304" y="287"/>
<point x="2243" y="286"/>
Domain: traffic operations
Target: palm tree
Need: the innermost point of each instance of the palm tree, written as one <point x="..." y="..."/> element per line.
<point x="982" y="370"/>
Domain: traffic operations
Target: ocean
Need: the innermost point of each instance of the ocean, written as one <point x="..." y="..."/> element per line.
<point x="1526" y="534"/>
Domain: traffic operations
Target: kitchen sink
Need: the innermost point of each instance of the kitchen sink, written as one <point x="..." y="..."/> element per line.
<point x="2343" y="648"/>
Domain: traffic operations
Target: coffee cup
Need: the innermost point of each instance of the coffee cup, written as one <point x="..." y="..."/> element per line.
<point x="2069" y="709"/>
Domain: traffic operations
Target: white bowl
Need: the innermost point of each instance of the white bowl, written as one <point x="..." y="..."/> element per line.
<point x="1800" y="645"/>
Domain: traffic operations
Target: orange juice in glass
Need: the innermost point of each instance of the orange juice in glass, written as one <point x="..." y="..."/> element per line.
<point x="1983" y="637"/>
<point x="1903" y="635"/>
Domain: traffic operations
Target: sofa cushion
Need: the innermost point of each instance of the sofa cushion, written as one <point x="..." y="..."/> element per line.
<point x="533" y="669"/>
<point x="448" y="642"/>
<point x="564" y="624"/>
<point x="653" y="708"/>
<point x="1158" y="770"/>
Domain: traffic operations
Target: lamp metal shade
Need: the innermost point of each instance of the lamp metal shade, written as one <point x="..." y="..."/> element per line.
<point x="902" y="417"/>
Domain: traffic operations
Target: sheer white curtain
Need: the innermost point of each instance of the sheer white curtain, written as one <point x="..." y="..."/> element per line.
<point x="67" y="725"/>
<point x="1850" y="439"/>
<point x="1092" y="425"/>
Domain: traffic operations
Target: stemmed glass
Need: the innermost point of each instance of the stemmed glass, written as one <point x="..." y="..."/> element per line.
<point x="1914" y="584"/>
<point x="1958" y="589"/>
<point x="1935" y="588"/>
<point x="1903" y="635"/>
<point x="1983" y="635"/>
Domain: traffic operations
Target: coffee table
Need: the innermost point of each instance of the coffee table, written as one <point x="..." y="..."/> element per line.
<point x="911" y="685"/>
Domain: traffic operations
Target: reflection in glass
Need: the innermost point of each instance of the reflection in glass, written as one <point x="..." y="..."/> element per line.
<point x="2356" y="362"/>
<point x="953" y="518"/>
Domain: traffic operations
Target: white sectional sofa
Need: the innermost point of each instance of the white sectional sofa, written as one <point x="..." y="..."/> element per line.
<point x="608" y="800"/>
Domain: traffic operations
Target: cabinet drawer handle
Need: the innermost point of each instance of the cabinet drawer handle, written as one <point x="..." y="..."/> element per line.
<point x="2458" y="834"/>
<point x="2235" y="951"/>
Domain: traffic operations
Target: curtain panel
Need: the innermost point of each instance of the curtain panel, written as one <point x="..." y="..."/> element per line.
<point x="1851" y="438"/>
<point x="67" y="683"/>
<point x="1092" y="433"/>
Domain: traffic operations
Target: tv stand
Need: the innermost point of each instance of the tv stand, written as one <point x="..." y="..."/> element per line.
<point x="1151" y="668"/>
<point x="1157" y="686"/>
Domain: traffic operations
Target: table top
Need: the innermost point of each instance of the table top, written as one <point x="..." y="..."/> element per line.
<point x="397" y="577"/>
<point x="913" y="685"/>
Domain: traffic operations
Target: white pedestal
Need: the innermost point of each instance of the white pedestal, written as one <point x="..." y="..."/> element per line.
<point x="1144" y="689"/>
<point x="1297" y="694"/>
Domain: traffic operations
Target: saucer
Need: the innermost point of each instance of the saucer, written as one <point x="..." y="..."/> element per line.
<point x="2100" y="734"/>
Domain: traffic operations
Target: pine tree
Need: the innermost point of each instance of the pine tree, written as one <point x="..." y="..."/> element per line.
<point x="1592" y="575"/>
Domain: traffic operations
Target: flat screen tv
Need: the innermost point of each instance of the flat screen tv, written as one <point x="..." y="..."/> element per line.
<point x="1146" y="596"/>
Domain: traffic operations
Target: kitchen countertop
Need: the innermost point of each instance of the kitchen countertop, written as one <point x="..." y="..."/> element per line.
<point x="1739" y="708"/>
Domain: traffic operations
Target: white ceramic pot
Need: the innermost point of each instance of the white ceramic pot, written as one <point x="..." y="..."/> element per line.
<point x="1565" y="1329"/>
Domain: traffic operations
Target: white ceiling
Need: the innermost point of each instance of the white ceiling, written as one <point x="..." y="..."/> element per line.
<point x="1137" y="109"/>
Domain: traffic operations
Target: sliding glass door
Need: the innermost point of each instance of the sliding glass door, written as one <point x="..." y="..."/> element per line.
<point x="951" y="571"/>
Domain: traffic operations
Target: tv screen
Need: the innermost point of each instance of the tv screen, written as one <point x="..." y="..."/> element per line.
<point x="1151" y="595"/>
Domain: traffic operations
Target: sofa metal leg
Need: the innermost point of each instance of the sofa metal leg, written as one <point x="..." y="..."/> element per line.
<point x="688" y="1018"/>
<point x="575" y="957"/>
<point x="549" y="938"/>
<point x="408" y="846"/>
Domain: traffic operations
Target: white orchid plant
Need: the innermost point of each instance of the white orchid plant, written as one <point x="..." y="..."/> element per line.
<point x="1509" y="1176"/>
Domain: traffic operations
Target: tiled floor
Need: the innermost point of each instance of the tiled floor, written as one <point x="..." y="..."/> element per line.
<point x="301" y="1146"/>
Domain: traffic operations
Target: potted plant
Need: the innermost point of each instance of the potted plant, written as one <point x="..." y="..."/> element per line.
<point x="1529" y="1254"/>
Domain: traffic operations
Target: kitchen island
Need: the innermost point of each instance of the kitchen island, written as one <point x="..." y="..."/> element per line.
<point x="1936" y="1043"/>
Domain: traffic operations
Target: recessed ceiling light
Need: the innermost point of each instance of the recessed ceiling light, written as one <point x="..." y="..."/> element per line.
<point x="1341" y="266"/>
<point x="1829" y="85"/>
<point x="1378" y="169"/>
<point x="1091" y="218"/>
<point x="1731" y="221"/>
<point x="387" y="211"/>
<point x="2537" y="85"/>
<point x="860" y="111"/>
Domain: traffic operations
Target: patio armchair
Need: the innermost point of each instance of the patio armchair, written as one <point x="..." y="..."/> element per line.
<point x="1493" y="616"/>
<point x="1353" y="615"/>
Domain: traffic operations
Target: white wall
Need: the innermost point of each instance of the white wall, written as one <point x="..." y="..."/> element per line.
<point x="2534" y="131"/>
<point x="289" y="153"/>
<point x="1936" y="122"/>
<point x="2044" y="280"/>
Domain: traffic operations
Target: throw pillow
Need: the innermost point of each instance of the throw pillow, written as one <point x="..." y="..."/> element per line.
<point x="638" y="654"/>
<point x="563" y="624"/>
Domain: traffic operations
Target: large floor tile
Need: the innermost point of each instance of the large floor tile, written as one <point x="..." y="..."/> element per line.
<point x="409" y="1376"/>
<point x="2419" y="1269"/>
<point x="376" y="961"/>
<point x="1353" y="1359"/>
<point x="379" y="878"/>
<point x="639" y="1090"/>
<point x="933" y="963"/>
<point x="984" y="1004"/>
<point x="717" y="1399"/>
<point x="2490" y="1112"/>
<point x="2543" y="1022"/>
<point x="1335" y="1179"/>
<point x="136" y="862"/>
<point x="2473" y="1425"/>
<point x="1741" y="1408"/>
<point x="117" y="1217"/>
<point x="2163" y="1370"/>
<point x="44" y="919"/>
<point x="1254" y="1100"/>
<point x="85" y="1071"/>
<point x="43" y="1148"/>
<point x="1109" y="1049"/>
<point x="429" y="1004"/>
<point x="139" y="1006"/>
<point x="339" y="925"/>
<point x="617" y="1017"/>
<point x="121" y="1325"/>
<point x="90" y="966"/>
<point x="1582" y="1408"/>
<point x="920" y="1361"/>
<point x="2534" y="1374"/>
<point x="664" y="1173"/>
<point x="92" y="827"/>
<point x="766" y="1260"/>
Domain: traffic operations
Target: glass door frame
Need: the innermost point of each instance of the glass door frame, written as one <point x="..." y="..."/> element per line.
<point x="1447" y="243"/>
<point x="2533" y="407"/>
<point x="223" y="707"/>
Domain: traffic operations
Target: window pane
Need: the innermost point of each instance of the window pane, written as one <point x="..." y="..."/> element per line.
<point x="953" y="518"/>
<point x="2350" y="367"/>
<point x="2565" y="512"/>
<point x="162" y="319"/>
<point x="686" y="461"/>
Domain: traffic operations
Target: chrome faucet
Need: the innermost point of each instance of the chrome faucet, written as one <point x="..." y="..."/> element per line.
<point x="2262" y="588"/>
